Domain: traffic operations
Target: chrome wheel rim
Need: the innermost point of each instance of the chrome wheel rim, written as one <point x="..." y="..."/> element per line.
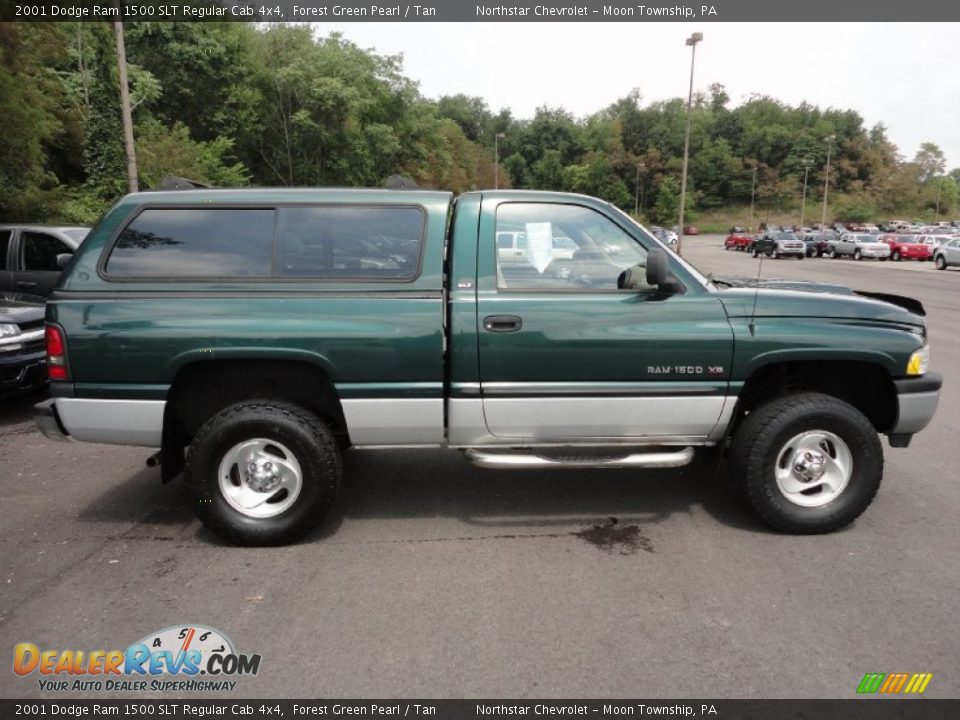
<point x="813" y="468"/>
<point x="260" y="478"/>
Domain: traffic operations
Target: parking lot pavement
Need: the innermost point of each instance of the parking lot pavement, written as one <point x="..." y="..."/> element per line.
<point x="434" y="578"/>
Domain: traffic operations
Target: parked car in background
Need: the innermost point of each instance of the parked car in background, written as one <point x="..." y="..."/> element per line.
<point x="23" y="360"/>
<point x="32" y="256"/>
<point x="778" y="244"/>
<point x="932" y="242"/>
<point x="859" y="246"/>
<point x="690" y="230"/>
<point x="667" y="237"/>
<point x="818" y="243"/>
<point x="737" y="239"/>
<point x="947" y="254"/>
<point x="906" y="247"/>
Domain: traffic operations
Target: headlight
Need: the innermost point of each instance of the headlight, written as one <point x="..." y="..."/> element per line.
<point x="919" y="361"/>
<point x="8" y="330"/>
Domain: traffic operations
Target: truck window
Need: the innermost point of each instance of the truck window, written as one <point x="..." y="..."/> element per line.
<point x="195" y="242"/>
<point x="568" y="248"/>
<point x="350" y="242"/>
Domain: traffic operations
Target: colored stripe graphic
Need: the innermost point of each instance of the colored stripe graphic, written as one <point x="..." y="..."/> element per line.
<point x="894" y="683"/>
<point x="871" y="682"/>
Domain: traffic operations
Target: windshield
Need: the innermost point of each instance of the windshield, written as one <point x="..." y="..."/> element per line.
<point x="704" y="280"/>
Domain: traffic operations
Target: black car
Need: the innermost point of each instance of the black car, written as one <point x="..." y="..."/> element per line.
<point x="23" y="365"/>
<point x="779" y="244"/>
<point x="32" y="256"/>
<point x="818" y="243"/>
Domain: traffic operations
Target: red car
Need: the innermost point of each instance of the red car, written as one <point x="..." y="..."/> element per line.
<point x="737" y="240"/>
<point x="906" y="247"/>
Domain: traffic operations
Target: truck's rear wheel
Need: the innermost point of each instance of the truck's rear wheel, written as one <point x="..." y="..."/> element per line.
<point x="263" y="472"/>
<point x="807" y="463"/>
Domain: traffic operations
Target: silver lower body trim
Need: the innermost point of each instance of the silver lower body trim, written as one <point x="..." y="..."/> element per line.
<point x="114" y="422"/>
<point x="395" y="421"/>
<point x="916" y="411"/>
<point x="554" y="419"/>
<point x="518" y="461"/>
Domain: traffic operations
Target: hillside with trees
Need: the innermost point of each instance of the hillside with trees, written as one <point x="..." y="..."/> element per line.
<point x="240" y="104"/>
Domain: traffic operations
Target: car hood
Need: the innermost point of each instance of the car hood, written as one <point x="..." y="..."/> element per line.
<point x="19" y="309"/>
<point x="795" y="298"/>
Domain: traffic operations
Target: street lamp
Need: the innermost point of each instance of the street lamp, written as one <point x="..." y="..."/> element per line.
<point x="826" y="180"/>
<point x="803" y="202"/>
<point x="753" y="190"/>
<point x="939" y="194"/>
<point x="692" y="44"/>
<point x="636" y="196"/>
<point x="496" y="159"/>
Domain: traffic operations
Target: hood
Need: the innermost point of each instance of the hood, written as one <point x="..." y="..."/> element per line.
<point x="794" y="298"/>
<point x="21" y="309"/>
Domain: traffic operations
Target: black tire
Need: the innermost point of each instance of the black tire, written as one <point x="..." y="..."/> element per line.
<point x="776" y="253"/>
<point x="896" y="255"/>
<point x="308" y="439"/>
<point x="941" y="262"/>
<point x="756" y="252"/>
<point x="764" y="434"/>
<point x="833" y="253"/>
<point x="857" y="255"/>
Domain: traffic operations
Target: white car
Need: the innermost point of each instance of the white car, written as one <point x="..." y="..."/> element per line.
<point x="934" y="241"/>
<point x="859" y="246"/>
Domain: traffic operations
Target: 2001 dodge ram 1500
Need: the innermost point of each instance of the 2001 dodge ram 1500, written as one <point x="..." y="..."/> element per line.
<point x="253" y="335"/>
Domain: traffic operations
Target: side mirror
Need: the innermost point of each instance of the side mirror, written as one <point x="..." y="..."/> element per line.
<point x="658" y="272"/>
<point x="63" y="259"/>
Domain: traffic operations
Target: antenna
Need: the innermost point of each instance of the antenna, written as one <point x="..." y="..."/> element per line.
<point x="756" y="291"/>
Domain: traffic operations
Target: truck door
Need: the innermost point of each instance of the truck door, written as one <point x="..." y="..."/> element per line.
<point x="6" y="278"/>
<point x="566" y="355"/>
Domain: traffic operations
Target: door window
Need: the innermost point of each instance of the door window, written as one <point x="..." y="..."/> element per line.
<point x="39" y="251"/>
<point x="4" y="244"/>
<point x="567" y="248"/>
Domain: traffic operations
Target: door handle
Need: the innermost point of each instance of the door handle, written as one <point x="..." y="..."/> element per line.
<point x="25" y="285"/>
<point x="502" y="323"/>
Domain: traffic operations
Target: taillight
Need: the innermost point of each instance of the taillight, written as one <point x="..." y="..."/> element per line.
<point x="56" y="355"/>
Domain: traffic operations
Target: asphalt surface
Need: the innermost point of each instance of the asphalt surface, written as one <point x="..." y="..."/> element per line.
<point x="435" y="579"/>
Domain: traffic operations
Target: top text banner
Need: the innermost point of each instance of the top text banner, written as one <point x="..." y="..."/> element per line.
<point x="474" y="11"/>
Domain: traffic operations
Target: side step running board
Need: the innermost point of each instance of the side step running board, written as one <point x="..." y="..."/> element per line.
<point x="519" y="461"/>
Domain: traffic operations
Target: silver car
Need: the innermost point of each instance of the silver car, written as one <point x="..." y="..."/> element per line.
<point x="859" y="246"/>
<point x="947" y="254"/>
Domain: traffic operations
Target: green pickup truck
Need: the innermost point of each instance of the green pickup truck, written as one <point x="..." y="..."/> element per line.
<point x="255" y="335"/>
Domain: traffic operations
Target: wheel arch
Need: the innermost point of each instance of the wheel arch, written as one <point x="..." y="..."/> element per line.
<point x="863" y="381"/>
<point x="204" y="387"/>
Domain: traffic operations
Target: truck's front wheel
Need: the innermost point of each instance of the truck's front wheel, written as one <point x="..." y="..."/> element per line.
<point x="263" y="472"/>
<point x="808" y="462"/>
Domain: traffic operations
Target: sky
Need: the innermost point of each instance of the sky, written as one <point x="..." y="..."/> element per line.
<point x="904" y="75"/>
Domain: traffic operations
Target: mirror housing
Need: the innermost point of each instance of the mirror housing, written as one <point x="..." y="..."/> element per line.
<point x="63" y="259"/>
<point x="658" y="272"/>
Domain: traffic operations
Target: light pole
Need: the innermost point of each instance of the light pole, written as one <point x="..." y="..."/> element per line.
<point x="826" y="180"/>
<point x="692" y="44"/>
<point x="753" y="190"/>
<point x="939" y="193"/>
<point x="636" y="195"/>
<point x="803" y="202"/>
<point x="496" y="160"/>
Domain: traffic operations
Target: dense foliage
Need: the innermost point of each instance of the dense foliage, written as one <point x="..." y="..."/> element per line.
<point x="235" y="104"/>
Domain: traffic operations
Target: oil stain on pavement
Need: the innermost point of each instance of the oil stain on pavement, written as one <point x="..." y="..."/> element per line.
<point x="611" y="537"/>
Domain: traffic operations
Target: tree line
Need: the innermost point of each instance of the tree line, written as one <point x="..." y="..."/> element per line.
<point x="236" y="104"/>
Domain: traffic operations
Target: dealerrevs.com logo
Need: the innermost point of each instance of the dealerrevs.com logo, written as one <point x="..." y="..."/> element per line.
<point x="185" y="658"/>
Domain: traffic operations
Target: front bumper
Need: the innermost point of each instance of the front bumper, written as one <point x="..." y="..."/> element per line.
<point x="22" y="372"/>
<point x="917" y="400"/>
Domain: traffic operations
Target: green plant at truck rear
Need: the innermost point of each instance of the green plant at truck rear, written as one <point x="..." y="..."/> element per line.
<point x="510" y="324"/>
